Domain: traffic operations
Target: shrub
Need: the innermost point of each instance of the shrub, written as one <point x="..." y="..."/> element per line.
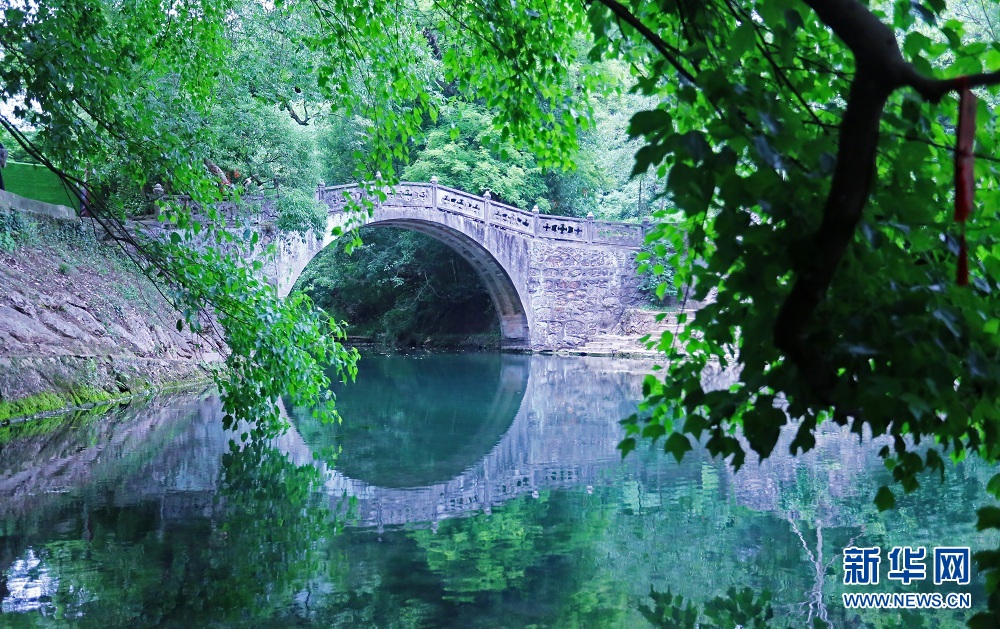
<point x="656" y="275"/>
<point x="15" y="229"/>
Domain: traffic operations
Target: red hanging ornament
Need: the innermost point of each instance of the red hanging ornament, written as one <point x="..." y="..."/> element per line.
<point x="964" y="178"/>
<point x="962" y="278"/>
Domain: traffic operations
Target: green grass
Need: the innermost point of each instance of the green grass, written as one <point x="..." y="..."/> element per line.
<point x="37" y="182"/>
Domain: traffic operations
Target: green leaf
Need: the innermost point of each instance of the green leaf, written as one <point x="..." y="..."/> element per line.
<point x="743" y="40"/>
<point x="649" y="122"/>
<point x="993" y="486"/>
<point x="677" y="444"/>
<point x="923" y="12"/>
<point x="884" y="499"/>
<point x="982" y="620"/>
<point x="626" y="446"/>
<point x="653" y="431"/>
<point x="988" y="518"/>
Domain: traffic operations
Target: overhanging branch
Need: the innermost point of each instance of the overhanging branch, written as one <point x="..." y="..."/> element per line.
<point x="881" y="70"/>
<point x="670" y="53"/>
<point x="933" y="90"/>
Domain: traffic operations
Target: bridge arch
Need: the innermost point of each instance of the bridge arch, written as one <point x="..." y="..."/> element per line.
<point x="486" y="258"/>
<point x="555" y="281"/>
<point x="507" y="300"/>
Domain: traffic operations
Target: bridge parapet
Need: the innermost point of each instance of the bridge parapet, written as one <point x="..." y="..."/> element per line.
<point x="493" y="214"/>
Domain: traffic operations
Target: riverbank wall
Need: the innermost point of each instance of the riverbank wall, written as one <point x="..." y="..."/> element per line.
<point x="79" y="323"/>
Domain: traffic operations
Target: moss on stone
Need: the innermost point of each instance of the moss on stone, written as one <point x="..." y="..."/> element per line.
<point x="54" y="407"/>
<point x="32" y="405"/>
<point x="48" y="424"/>
<point x="85" y="396"/>
<point x="48" y="401"/>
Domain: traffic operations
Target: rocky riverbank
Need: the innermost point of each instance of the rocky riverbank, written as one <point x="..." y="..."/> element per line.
<point x="79" y="323"/>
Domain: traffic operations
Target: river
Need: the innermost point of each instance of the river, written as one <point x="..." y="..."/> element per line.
<point x="464" y="490"/>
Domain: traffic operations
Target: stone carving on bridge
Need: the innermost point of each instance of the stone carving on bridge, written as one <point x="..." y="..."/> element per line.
<point x="611" y="233"/>
<point x="333" y="196"/>
<point x="411" y="195"/>
<point x="458" y="202"/>
<point x="506" y="216"/>
<point x="562" y="229"/>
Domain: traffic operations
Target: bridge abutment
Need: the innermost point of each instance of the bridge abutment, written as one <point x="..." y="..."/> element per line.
<point x="578" y="292"/>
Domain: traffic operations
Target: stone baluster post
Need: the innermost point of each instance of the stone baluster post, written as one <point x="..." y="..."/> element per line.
<point x="434" y="192"/>
<point x="590" y="227"/>
<point x="646" y="228"/>
<point x="158" y="197"/>
<point x="486" y="207"/>
<point x="534" y="227"/>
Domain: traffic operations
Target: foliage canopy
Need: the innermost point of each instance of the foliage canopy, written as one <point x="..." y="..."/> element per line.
<point x="129" y="91"/>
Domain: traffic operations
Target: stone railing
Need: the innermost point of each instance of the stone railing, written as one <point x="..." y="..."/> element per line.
<point x="496" y="215"/>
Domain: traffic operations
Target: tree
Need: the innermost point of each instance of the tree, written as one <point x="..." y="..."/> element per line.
<point x="101" y="79"/>
<point x="465" y="151"/>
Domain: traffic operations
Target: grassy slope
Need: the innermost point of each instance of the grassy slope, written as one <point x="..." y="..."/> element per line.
<point x="37" y="182"/>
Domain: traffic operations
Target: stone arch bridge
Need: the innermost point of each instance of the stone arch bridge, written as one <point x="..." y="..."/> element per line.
<point x="555" y="281"/>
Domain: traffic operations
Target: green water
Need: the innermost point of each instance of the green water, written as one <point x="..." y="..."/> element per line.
<point x="473" y="490"/>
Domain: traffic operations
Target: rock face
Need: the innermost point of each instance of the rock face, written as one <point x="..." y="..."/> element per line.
<point x="76" y="315"/>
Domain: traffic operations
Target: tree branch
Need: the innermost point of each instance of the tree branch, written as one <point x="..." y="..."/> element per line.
<point x="295" y="116"/>
<point x="933" y="90"/>
<point x="816" y="263"/>
<point x="669" y="53"/>
<point x="881" y="70"/>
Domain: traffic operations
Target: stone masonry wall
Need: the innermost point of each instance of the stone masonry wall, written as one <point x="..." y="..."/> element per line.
<point x="79" y="321"/>
<point x="576" y="292"/>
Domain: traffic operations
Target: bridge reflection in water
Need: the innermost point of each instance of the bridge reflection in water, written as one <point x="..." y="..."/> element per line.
<point x="504" y="425"/>
<point x="422" y="438"/>
<point x="150" y="509"/>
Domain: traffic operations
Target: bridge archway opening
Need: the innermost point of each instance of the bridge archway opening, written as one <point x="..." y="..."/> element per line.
<point x="507" y="304"/>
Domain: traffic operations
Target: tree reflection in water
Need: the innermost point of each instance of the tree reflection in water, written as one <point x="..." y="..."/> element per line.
<point x="505" y="504"/>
